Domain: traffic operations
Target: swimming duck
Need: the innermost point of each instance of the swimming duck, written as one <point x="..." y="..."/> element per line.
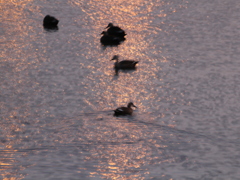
<point x="115" y="30"/>
<point x="107" y="39"/>
<point x="50" y="22"/>
<point x="123" y="111"/>
<point x="124" y="64"/>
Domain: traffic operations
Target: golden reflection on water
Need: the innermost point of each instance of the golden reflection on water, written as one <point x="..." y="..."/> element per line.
<point x="124" y="160"/>
<point x="13" y="12"/>
<point x="7" y="162"/>
<point x="19" y="47"/>
<point x="124" y="151"/>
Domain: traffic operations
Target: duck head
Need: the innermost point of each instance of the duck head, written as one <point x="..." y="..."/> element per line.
<point x="131" y="105"/>
<point x="115" y="57"/>
<point x="110" y="25"/>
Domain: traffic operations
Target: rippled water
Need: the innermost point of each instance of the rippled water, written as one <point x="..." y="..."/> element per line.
<point x="58" y="90"/>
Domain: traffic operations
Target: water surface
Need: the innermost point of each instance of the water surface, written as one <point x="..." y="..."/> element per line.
<point x="58" y="90"/>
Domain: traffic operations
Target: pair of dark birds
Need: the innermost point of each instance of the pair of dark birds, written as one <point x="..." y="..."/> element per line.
<point x="124" y="65"/>
<point x="113" y="36"/>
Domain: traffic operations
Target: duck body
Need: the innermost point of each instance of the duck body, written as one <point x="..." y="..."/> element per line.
<point x="115" y="31"/>
<point x="124" y="64"/>
<point x="109" y="40"/>
<point x="50" y="21"/>
<point x="123" y="111"/>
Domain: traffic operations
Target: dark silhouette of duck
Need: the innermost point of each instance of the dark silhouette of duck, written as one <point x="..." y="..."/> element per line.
<point x="123" y="111"/>
<point x="50" y="22"/>
<point x="124" y="64"/>
<point x="115" y="31"/>
<point x="109" y="40"/>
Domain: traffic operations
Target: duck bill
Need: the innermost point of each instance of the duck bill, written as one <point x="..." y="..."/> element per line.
<point x="134" y="106"/>
<point x="115" y="57"/>
<point x="107" y="26"/>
